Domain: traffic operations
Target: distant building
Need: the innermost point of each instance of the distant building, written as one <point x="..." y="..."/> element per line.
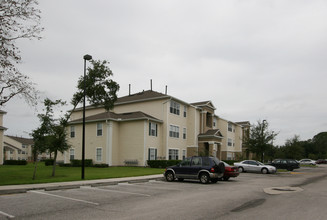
<point x="150" y="125"/>
<point x="17" y="148"/>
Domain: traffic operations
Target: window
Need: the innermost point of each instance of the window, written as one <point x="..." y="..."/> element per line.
<point x="99" y="129"/>
<point x="71" y="154"/>
<point x="214" y="122"/>
<point x="99" y="154"/>
<point x="209" y="119"/>
<point x="184" y="133"/>
<point x="152" y="154"/>
<point x="185" y="110"/>
<point x="184" y="154"/>
<point x="173" y="154"/>
<point x="23" y="146"/>
<point x="153" y="129"/>
<point x="197" y="161"/>
<point x="174" y="107"/>
<point x="230" y="142"/>
<point x="72" y="131"/>
<point x="174" y="131"/>
<point x="186" y="162"/>
<point x="230" y="127"/>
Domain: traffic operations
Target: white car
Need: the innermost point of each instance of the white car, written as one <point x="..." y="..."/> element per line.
<point x="254" y="166"/>
<point x="307" y="162"/>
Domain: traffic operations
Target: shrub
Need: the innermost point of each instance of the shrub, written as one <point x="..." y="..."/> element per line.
<point x="162" y="163"/>
<point x="15" y="162"/>
<point x="48" y="162"/>
<point x="231" y="162"/>
<point x="78" y="163"/>
<point x="101" y="165"/>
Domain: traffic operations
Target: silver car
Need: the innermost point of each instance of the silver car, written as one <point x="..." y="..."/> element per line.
<point x="254" y="166"/>
<point x="307" y="162"/>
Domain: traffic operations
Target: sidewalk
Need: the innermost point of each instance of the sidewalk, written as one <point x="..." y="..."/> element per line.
<point x="13" y="189"/>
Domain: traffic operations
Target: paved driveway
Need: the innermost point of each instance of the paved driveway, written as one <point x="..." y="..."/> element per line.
<point x="241" y="198"/>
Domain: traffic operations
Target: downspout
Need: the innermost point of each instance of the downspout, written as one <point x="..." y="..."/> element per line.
<point x="144" y="144"/>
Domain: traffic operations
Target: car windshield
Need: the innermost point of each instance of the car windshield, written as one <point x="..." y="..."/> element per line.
<point x="260" y="163"/>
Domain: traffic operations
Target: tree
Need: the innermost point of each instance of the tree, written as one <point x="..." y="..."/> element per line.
<point x="100" y="89"/>
<point x="260" y="139"/>
<point x="41" y="134"/>
<point x="320" y="145"/>
<point x="51" y="136"/>
<point x="19" y="19"/>
<point x="293" y="148"/>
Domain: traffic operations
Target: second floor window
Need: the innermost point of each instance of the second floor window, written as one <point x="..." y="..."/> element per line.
<point x="99" y="129"/>
<point x="185" y="111"/>
<point x="230" y="142"/>
<point x="174" y="107"/>
<point x="153" y="129"/>
<point x="184" y="133"/>
<point x="72" y="131"/>
<point x="174" y="131"/>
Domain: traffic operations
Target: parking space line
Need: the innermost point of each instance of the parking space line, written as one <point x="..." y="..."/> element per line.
<point x="116" y="191"/>
<point x="6" y="214"/>
<point x="63" y="197"/>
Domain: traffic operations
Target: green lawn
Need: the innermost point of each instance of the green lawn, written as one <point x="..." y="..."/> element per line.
<point x="15" y="174"/>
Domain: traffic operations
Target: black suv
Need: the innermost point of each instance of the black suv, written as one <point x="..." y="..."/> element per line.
<point x="288" y="164"/>
<point x="202" y="168"/>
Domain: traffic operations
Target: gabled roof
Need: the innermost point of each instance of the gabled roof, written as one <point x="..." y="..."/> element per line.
<point x="3" y="128"/>
<point x="129" y="116"/>
<point x="212" y="133"/>
<point x="27" y="141"/>
<point x="141" y="96"/>
<point x="204" y="104"/>
<point x="243" y="123"/>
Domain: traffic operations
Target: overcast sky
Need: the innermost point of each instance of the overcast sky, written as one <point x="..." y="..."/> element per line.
<point x="254" y="60"/>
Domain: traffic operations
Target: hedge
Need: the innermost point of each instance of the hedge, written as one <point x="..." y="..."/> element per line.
<point x="48" y="162"/>
<point x="15" y="162"/>
<point x="78" y="163"/>
<point x="162" y="163"/>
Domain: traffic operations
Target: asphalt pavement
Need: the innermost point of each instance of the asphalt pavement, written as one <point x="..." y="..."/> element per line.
<point x="13" y="189"/>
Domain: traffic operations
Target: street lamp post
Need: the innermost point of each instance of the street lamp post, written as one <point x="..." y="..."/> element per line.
<point x="86" y="57"/>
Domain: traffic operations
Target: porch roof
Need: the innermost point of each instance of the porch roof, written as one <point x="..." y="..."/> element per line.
<point x="212" y="133"/>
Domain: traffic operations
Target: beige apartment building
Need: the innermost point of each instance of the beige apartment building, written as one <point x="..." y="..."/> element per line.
<point x="150" y="125"/>
<point x="17" y="148"/>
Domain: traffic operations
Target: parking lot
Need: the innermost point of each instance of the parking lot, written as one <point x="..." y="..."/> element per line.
<point x="240" y="198"/>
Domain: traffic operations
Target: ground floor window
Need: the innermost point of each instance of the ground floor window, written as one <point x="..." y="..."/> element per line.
<point x="230" y="156"/>
<point x="173" y="154"/>
<point x="152" y="154"/>
<point x="184" y="154"/>
<point x="71" y="154"/>
<point x="99" y="154"/>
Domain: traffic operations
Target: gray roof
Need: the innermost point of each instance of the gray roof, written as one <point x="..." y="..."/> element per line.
<point x="212" y="132"/>
<point x="27" y="141"/>
<point x="129" y="116"/>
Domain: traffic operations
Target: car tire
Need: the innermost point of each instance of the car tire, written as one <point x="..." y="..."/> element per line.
<point x="264" y="170"/>
<point x="170" y="176"/>
<point x="240" y="169"/>
<point x="214" y="180"/>
<point x="226" y="178"/>
<point x="204" y="178"/>
<point x="221" y="167"/>
<point x="180" y="179"/>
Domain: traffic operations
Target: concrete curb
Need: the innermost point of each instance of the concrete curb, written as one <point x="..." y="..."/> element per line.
<point x="15" y="189"/>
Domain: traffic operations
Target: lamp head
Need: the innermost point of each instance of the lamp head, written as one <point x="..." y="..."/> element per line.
<point x="87" y="57"/>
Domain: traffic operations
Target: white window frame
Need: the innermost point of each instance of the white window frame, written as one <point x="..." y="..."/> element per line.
<point x="99" y="129"/>
<point x="72" y="131"/>
<point x="71" y="154"/>
<point x="229" y="142"/>
<point x="184" y="133"/>
<point x="230" y="127"/>
<point x="174" y="107"/>
<point x="152" y="153"/>
<point x="185" y="111"/>
<point x="98" y="157"/>
<point x="153" y="129"/>
<point x="173" y="154"/>
<point x="183" y="154"/>
<point x="174" y="131"/>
